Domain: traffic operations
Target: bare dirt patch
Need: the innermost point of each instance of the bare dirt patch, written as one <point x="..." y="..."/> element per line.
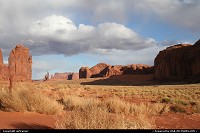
<point x="26" y="120"/>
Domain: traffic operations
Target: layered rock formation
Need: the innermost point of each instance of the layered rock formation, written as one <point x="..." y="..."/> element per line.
<point x="97" y="70"/>
<point x="138" y="69"/>
<point x="178" y="62"/>
<point x="19" y="64"/>
<point x="106" y="70"/>
<point x="73" y="76"/>
<point x="66" y="75"/>
<point x="110" y="71"/>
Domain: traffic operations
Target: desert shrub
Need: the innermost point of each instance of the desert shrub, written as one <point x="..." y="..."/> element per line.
<point x="72" y="102"/>
<point x="196" y="107"/>
<point x="177" y="108"/>
<point x="181" y="102"/>
<point x="193" y="103"/>
<point x="94" y="117"/>
<point x="116" y="105"/>
<point x="11" y="102"/>
<point x="149" y="109"/>
<point x="26" y="100"/>
<point x="166" y="100"/>
<point x="157" y="108"/>
<point x="112" y="105"/>
<point x="93" y="114"/>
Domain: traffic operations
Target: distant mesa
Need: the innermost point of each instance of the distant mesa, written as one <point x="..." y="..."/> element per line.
<point x="106" y="70"/>
<point x="19" y="64"/>
<point x="65" y="75"/>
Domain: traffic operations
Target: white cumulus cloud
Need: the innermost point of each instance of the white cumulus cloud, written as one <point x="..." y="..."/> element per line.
<point x="61" y="35"/>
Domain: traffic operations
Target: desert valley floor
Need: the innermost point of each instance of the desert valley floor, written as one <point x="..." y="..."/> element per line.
<point x="127" y="101"/>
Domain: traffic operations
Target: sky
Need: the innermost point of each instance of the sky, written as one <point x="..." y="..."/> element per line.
<point x="64" y="35"/>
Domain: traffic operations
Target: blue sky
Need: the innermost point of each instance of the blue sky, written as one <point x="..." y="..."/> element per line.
<point x="64" y="35"/>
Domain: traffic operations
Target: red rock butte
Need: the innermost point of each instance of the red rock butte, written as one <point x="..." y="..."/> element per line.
<point x="178" y="62"/>
<point x="19" y="64"/>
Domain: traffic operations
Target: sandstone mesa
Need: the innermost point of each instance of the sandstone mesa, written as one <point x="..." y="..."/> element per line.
<point x="106" y="70"/>
<point x="178" y="62"/>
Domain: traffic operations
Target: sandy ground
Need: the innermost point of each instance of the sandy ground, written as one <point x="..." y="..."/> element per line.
<point x="178" y="121"/>
<point x="26" y="120"/>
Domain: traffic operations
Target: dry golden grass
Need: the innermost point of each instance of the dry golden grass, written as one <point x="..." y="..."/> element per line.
<point x="117" y="105"/>
<point x="100" y="106"/>
<point x="26" y="100"/>
<point x="96" y="117"/>
<point x="112" y="113"/>
<point x="72" y="102"/>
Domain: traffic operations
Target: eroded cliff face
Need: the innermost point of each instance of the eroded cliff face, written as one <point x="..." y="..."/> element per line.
<point x="195" y="58"/>
<point x="1" y="65"/>
<point x="84" y="72"/>
<point x="178" y="62"/>
<point x="97" y="70"/>
<point x="19" y="64"/>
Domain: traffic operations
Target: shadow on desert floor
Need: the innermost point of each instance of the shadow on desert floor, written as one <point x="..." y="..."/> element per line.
<point x="22" y="125"/>
<point x="130" y="80"/>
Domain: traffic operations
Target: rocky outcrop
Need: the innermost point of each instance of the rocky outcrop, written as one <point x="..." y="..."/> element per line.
<point x="73" y="76"/>
<point x="138" y="69"/>
<point x="46" y="77"/>
<point x="110" y="71"/>
<point x="5" y="71"/>
<point x="106" y="70"/>
<point x="20" y="63"/>
<point x="178" y="62"/>
<point x="97" y="70"/>
<point x="84" y="72"/>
